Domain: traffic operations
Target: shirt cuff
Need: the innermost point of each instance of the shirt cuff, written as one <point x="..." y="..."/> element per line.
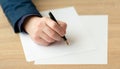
<point x="21" y="21"/>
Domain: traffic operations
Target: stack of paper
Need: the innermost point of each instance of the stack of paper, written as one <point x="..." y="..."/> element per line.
<point x="87" y="35"/>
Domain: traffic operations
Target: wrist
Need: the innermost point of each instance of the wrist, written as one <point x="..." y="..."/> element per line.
<point x="28" y="22"/>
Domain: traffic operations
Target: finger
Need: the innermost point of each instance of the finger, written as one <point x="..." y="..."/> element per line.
<point x="63" y="25"/>
<point x="51" y="33"/>
<point x="57" y="28"/>
<point x="46" y="37"/>
<point x="40" y="41"/>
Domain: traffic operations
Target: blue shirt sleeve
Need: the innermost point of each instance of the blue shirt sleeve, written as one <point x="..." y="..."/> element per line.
<point x="17" y="10"/>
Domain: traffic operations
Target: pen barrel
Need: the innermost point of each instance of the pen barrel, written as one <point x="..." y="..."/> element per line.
<point x="64" y="38"/>
<point x="53" y="18"/>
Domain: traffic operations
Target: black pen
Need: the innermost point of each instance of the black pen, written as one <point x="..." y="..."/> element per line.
<point x="53" y="18"/>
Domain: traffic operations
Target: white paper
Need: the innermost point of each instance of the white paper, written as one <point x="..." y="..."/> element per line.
<point x="77" y="35"/>
<point x="97" y="28"/>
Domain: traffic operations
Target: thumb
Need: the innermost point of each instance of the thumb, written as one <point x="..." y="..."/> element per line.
<point x="63" y="25"/>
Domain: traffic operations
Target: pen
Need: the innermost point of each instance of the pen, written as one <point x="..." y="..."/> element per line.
<point x="53" y="18"/>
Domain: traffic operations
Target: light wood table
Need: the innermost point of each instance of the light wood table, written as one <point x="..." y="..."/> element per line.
<point x="11" y="51"/>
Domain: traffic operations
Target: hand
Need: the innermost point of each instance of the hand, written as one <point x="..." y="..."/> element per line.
<point x="44" y="31"/>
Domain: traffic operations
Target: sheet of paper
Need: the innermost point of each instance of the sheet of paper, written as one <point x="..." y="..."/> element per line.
<point x="97" y="28"/>
<point x="77" y="35"/>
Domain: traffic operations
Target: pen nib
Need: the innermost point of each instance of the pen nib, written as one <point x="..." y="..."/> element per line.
<point x="67" y="42"/>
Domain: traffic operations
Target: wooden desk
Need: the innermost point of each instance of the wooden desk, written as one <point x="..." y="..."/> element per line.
<point x="11" y="51"/>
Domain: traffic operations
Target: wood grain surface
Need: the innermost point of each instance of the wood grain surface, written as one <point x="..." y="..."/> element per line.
<point x="11" y="51"/>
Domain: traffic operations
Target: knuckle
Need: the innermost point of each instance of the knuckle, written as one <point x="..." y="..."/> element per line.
<point x="54" y="25"/>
